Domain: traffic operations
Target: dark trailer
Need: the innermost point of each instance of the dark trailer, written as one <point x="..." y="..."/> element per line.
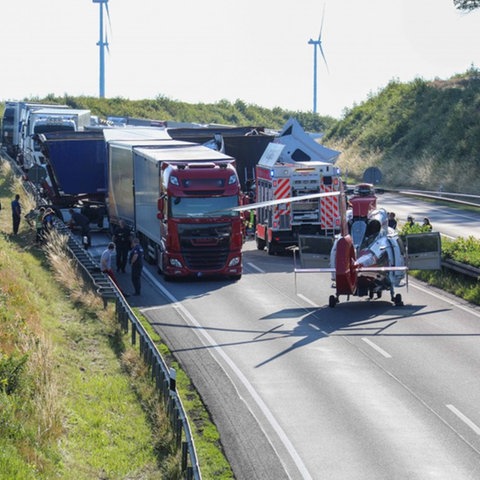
<point x="245" y="144"/>
<point x="76" y="164"/>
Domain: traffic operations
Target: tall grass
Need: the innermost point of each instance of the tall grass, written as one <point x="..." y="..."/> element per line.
<point x="75" y="396"/>
<point x="66" y="404"/>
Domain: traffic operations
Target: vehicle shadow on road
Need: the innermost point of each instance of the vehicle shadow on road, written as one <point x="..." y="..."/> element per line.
<point x="320" y="323"/>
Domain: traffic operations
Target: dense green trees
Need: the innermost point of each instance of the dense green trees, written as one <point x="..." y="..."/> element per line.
<point x="468" y="5"/>
<point x="221" y="112"/>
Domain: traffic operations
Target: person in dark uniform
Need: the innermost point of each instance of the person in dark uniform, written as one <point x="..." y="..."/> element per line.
<point x="136" y="264"/>
<point x="16" y="213"/>
<point x="83" y="222"/>
<point x="122" y="237"/>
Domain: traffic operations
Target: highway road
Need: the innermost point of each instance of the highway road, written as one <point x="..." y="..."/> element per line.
<point x="302" y="391"/>
<point x="452" y="222"/>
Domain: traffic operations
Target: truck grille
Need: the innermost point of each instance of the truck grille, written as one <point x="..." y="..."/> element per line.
<point x="205" y="247"/>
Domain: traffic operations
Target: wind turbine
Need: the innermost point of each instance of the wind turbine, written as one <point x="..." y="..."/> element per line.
<point x="102" y="43"/>
<point x="316" y="43"/>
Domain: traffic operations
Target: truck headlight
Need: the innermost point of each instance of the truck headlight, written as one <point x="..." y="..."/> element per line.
<point x="175" y="263"/>
<point x="234" y="262"/>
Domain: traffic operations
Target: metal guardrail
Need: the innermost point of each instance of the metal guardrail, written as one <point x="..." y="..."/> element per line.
<point x="165" y="385"/>
<point x="462" y="268"/>
<point x="163" y="377"/>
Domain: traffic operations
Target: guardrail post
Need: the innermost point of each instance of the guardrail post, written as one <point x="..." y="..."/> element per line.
<point x="184" y="461"/>
<point x="179" y="430"/>
<point x="134" y="334"/>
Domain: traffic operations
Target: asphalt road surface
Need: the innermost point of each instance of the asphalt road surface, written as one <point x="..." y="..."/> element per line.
<point x="298" y="390"/>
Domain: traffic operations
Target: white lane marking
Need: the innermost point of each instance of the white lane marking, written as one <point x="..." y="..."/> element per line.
<point x="377" y="348"/>
<point x="313" y="304"/>
<point x="252" y="265"/>
<point x="445" y="299"/>
<point x="304" y="298"/>
<point x="256" y="397"/>
<point x="464" y="419"/>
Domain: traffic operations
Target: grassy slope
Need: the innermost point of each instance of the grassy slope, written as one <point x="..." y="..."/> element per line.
<point x="68" y="410"/>
<point x="420" y="134"/>
<point x="74" y="396"/>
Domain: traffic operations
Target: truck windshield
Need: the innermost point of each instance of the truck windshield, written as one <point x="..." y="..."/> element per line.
<point x="181" y="207"/>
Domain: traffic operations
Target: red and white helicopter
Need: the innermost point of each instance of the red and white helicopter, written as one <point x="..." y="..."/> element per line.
<point x="367" y="257"/>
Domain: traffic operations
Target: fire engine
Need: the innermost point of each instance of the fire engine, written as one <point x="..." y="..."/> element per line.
<point x="278" y="226"/>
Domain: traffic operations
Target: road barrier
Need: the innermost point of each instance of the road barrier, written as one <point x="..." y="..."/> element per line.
<point x="163" y="378"/>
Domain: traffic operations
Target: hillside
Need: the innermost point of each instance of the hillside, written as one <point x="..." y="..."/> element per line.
<point x="423" y="134"/>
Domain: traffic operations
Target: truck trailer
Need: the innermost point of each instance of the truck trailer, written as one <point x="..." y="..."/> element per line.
<point x="46" y="120"/>
<point x="178" y="198"/>
<point x="76" y="165"/>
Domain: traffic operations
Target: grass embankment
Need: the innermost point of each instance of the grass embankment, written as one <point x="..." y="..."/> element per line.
<point x="75" y="399"/>
<point x="463" y="250"/>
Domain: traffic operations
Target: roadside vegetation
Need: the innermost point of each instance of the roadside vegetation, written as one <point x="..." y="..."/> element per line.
<point x="162" y="108"/>
<point x="463" y="250"/>
<point x="421" y="134"/>
<point x="76" y="400"/>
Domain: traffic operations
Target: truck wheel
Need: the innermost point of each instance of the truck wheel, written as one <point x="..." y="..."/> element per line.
<point x="271" y="249"/>
<point x="260" y="243"/>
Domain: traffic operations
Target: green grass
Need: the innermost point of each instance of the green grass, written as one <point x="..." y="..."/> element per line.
<point x="76" y="400"/>
<point x="206" y="437"/>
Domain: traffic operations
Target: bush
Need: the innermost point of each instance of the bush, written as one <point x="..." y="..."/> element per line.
<point x="11" y="369"/>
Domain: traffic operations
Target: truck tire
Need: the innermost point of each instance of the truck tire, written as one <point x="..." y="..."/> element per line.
<point x="271" y="248"/>
<point x="261" y="244"/>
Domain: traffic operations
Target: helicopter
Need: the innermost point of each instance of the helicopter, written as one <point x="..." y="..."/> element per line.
<point x="367" y="257"/>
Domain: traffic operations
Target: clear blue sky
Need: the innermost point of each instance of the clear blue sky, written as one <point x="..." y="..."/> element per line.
<point x="256" y="51"/>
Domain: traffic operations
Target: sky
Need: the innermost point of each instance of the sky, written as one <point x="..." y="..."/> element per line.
<point x="253" y="50"/>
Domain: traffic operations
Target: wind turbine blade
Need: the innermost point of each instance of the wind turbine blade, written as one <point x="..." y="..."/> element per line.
<point x="323" y="56"/>
<point x="108" y="14"/>
<point x="321" y="25"/>
<point x="109" y="25"/>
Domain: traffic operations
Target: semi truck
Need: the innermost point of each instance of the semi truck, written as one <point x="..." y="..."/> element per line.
<point x="46" y="120"/>
<point x="14" y="116"/>
<point x="178" y="198"/>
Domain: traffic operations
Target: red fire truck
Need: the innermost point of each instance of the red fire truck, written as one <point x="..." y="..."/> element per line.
<point x="278" y="226"/>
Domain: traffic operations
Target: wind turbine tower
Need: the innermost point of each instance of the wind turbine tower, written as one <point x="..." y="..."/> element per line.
<point x="317" y="43"/>
<point x="102" y="44"/>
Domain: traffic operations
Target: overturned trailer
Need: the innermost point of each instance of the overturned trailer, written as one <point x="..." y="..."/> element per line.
<point x="245" y="144"/>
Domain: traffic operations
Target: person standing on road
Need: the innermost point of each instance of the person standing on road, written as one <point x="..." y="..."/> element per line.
<point x="136" y="264"/>
<point x="106" y="263"/>
<point x="16" y="213"/>
<point x="122" y="239"/>
<point x="84" y="223"/>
